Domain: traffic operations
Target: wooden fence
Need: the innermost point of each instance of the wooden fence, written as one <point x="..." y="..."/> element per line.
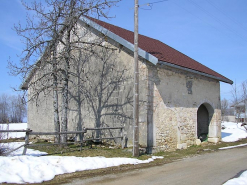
<point x="84" y="130"/>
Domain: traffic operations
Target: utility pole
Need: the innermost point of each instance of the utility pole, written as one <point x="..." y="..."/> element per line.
<point x="136" y="88"/>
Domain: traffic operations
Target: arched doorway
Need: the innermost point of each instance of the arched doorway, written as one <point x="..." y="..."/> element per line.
<point x="202" y="122"/>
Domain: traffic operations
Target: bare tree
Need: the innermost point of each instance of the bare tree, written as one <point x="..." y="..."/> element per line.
<point x="224" y="107"/>
<point x="239" y="95"/>
<point x="235" y="100"/>
<point x="4" y="108"/>
<point x="103" y="90"/>
<point x="77" y="72"/>
<point x="17" y="109"/>
<point x="48" y="33"/>
<point x="244" y="97"/>
<point x="235" y="94"/>
<point x="12" y="109"/>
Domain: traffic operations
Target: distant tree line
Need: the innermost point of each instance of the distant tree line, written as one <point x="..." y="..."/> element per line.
<point x="12" y="109"/>
<point x="239" y="95"/>
<point x="226" y="109"/>
<point x="237" y="104"/>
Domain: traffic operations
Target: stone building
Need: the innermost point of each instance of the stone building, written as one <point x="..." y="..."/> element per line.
<point x="179" y="97"/>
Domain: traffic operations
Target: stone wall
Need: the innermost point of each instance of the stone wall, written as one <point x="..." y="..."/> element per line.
<point x="40" y="104"/>
<point x="169" y="100"/>
<point x="177" y="96"/>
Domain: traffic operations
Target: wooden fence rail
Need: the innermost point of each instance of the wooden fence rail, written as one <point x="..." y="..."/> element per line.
<point x="84" y="130"/>
<point x="15" y="130"/>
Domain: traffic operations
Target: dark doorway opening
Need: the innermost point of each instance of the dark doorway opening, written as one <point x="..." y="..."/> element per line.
<point x="202" y="123"/>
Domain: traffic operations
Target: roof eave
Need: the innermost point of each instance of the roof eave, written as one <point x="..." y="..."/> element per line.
<point x="24" y="85"/>
<point x="196" y="72"/>
<point x="120" y="40"/>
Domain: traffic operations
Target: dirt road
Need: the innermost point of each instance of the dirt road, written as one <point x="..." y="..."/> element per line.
<point x="208" y="169"/>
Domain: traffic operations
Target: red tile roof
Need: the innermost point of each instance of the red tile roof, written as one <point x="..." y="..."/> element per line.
<point x="160" y="50"/>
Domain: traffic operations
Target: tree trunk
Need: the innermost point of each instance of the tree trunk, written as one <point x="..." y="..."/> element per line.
<point x="64" y="126"/>
<point x="55" y="97"/>
<point x="65" y="90"/>
<point x="79" y="101"/>
<point x="98" y="132"/>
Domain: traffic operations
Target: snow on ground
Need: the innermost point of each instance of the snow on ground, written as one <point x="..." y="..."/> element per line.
<point x="13" y="126"/>
<point x="241" y="180"/>
<point x="232" y="132"/>
<point x="35" y="167"/>
<point x="13" y="145"/>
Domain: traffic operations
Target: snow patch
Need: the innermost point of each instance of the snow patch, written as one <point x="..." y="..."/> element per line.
<point x="30" y="169"/>
<point x="232" y="132"/>
<point x="241" y="180"/>
<point x="13" y="145"/>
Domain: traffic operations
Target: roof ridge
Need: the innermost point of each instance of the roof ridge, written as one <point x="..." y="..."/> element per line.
<point x="120" y="28"/>
<point x="160" y="50"/>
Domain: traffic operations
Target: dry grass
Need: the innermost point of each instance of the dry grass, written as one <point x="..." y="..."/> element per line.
<point x="111" y="151"/>
<point x="101" y="150"/>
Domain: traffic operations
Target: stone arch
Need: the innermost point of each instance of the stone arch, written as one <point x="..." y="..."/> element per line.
<point x="205" y="114"/>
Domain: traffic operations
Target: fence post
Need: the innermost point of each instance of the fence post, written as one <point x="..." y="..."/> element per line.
<point x="26" y="141"/>
<point x="7" y="129"/>
<point x="82" y="136"/>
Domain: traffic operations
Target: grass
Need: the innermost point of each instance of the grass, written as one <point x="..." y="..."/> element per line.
<point x="104" y="150"/>
<point x="109" y="151"/>
<point x="74" y="150"/>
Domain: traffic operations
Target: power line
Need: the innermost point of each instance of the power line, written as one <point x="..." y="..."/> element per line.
<point x="158" y="2"/>
<point x="208" y="23"/>
<point x="218" y="20"/>
<point x="150" y="5"/>
<point x="233" y="20"/>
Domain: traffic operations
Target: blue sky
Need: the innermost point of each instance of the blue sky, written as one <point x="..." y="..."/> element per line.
<point x="213" y="32"/>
